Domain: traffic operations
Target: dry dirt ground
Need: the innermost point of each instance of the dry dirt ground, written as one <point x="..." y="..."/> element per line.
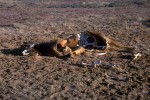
<point x="49" y="78"/>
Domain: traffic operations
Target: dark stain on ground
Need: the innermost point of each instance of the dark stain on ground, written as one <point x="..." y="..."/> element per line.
<point x="147" y="23"/>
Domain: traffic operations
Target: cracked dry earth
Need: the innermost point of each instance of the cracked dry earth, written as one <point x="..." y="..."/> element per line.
<point x="49" y="78"/>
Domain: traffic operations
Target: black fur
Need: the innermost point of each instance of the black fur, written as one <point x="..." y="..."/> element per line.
<point x="45" y="48"/>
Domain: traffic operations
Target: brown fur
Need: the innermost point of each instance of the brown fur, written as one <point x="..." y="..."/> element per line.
<point x="112" y="45"/>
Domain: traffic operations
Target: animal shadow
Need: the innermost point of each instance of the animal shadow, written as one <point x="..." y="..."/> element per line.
<point x="18" y="52"/>
<point x="15" y="51"/>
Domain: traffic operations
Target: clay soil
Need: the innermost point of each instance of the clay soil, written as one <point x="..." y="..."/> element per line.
<point x="23" y="22"/>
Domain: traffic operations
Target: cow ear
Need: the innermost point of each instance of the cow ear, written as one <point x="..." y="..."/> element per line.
<point x="63" y="42"/>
